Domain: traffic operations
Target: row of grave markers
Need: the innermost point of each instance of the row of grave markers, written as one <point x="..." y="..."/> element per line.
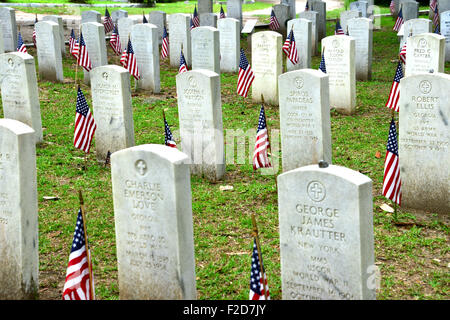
<point x="309" y="254"/>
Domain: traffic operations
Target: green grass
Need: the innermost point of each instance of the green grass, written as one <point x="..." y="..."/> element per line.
<point x="406" y="255"/>
<point x="169" y="8"/>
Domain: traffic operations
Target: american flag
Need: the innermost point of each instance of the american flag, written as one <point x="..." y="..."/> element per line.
<point x="245" y="77"/>
<point x="107" y="22"/>
<point x="394" y="95"/>
<point x="260" y="154"/>
<point x="436" y="30"/>
<point x="322" y="66"/>
<point x="436" y="16"/>
<point x="114" y="41"/>
<point x="34" y="31"/>
<point x="392" y="6"/>
<point x="433" y="5"/>
<point x="290" y="48"/>
<point x="128" y="61"/>
<point x="402" y="54"/>
<point x="144" y="19"/>
<point x="84" y="124"/>
<point x="83" y="56"/>
<point x="273" y="24"/>
<point x="20" y="45"/>
<point x="258" y="279"/>
<point x="191" y="24"/>
<point x="183" y="66"/>
<point x="222" y="13"/>
<point x="77" y="285"/>
<point x="392" y="186"/>
<point x="168" y="137"/>
<point x="195" y="18"/>
<point x="399" y="21"/>
<point x="338" y="29"/>
<point x="73" y="45"/>
<point x="165" y="44"/>
<point x="307" y="6"/>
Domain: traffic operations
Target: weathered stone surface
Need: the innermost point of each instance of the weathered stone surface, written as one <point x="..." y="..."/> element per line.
<point x="361" y="29"/>
<point x="116" y="15"/>
<point x="113" y="112"/>
<point x="20" y="95"/>
<point x="425" y="52"/>
<point x="424" y="139"/>
<point x="347" y="15"/>
<point x="326" y="240"/>
<point x="230" y="44"/>
<point x="339" y="53"/>
<point x="234" y="10"/>
<point x="410" y="10"/>
<point x="48" y="45"/>
<point x="158" y="18"/>
<point x="91" y="16"/>
<point x="144" y="37"/>
<point x="321" y="8"/>
<point x="313" y="17"/>
<point x="208" y="20"/>
<point x="19" y="248"/>
<point x="302" y="35"/>
<point x="304" y="118"/>
<point x="153" y="222"/>
<point x="180" y="36"/>
<point x="201" y="126"/>
<point x="445" y="32"/>
<point x="8" y="28"/>
<point x="266" y="65"/>
<point x="59" y="21"/>
<point x="205" y="49"/>
<point x="94" y="37"/>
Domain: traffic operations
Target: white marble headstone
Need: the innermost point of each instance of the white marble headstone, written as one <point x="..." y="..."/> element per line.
<point x="283" y="15"/>
<point x="234" y="10"/>
<point x="312" y="16"/>
<point x="302" y="35"/>
<point x="8" y="28"/>
<point x="347" y="15"/>
<point x="410" y="10"/>
<point x="361" y="29"/>
<point x="158" y="18"/>
<point x="326" y="234"/>
<point x="153" y="223"/>
<point x="19" y="242"/>
<point x="230" y="44"/>
<point x="116" y="15"/>
<point x="48" y="43"/>
<point x="424" y="52"/>
<point x="424" y="140"/>
<point x="208" y="20"/>
<point x="91" y="16"/>
<point x="445" y="32"/>
<point x="321" y="8"/>
<point x="113" y="112"/>
<point x="339" y="53"/>
<point x="304" y="118"/>
<point x="205" y="44"/>
<point x="124" y="25"/>
<point x="59" y="21"/>
<point x="180" y="36"/>
<point x="266" y="65"/>
<point x="94" y="37"/>
<point x="20" y="95"/>
<point x="201" y="126"/>
<point x="413" y="27"/>
<point x="144" y="37"/>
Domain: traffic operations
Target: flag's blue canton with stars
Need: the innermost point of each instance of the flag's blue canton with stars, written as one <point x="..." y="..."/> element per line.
<point x="78" y="235"/>
<point x="257" y="277"/>
<point x="322" y="66"/>
<point x="392" y="145"/>
<point x="168" y="136"/>
<point x="20" y="45"/>
<point x="183" y="67"/>
<point x="144" y="19"/>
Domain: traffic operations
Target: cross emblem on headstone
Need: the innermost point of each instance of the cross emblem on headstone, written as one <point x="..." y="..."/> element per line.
<point x="316" y="190"/>
<point x="425" y="86"/>
<point x="141" y="167"/>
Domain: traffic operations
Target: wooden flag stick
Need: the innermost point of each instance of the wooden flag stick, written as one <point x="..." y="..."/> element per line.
<point x="91" y="289"/>
<point x="258" y="247"/>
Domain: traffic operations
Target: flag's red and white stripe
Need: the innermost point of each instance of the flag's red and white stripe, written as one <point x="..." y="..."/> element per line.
<point x="391" y="181"/>
<point x="77" y="285"/>
<point x="245" y="76"/>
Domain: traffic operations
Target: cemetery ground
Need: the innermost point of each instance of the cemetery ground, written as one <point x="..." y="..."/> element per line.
<point x="411" y="249"/>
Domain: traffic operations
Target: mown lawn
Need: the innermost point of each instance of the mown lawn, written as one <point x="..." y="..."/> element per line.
<point x="413" y="257"/>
